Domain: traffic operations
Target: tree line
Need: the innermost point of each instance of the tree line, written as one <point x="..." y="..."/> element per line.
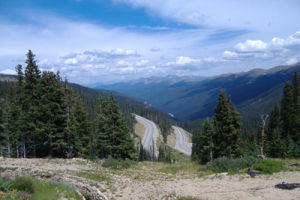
<point x="224" y="136"/>
<point x="41" y="116"/>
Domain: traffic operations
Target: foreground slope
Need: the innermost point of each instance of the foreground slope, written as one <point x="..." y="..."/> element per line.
<point x="148" y="180"/>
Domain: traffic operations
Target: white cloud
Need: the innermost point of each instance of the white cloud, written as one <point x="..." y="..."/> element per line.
<point x="8" y="71"/>
<point x="292" y="61"/>
<point x="183" y="61"/>
<point x="255" y="15"/>
<point x="278" y="49"/>
<point x="142" y="62"/>
<point x="251" y="45"/>
<point x="229" y="54"/>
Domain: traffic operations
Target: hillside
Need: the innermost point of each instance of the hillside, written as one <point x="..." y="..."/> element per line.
<point x="85" y="91"/>
<point x="253" y="92"/>
<point x="151" y="180"/>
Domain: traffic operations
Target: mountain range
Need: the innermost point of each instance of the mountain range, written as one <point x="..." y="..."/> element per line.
<point x="192" y="98"/>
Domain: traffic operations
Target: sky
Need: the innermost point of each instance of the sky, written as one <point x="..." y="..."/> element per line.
<point x="106" y="41"/>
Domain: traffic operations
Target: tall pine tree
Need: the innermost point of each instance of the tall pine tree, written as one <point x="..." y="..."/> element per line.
<point x="227" y="124"/>
<point x="113" y="137"/>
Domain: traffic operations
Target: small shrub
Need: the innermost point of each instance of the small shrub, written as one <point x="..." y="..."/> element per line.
<point x="225" y="164"/>
<point x="23" y="184"/>
<point x="6" y="184"/>
<point x="117" y="164"/>
<point x="269" y="166"/>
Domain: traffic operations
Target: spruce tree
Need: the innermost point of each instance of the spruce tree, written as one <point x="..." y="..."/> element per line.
<point x="79" y="130"/>
<point x="296" y="113"/>
<point x="227" y="124"/>
<point x="52" y="118"/>
<point x="31" y="102"/>
<point x="196" y="145"/>
<point x="275" y="145"/>
<point x="287" y="110"/>
<point x="113" y="136"/>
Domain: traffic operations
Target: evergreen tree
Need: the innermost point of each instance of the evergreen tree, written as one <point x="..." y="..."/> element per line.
<point x="2" y="134"/>
<point x="287" y="109"/>
<point x="227" y="124"/>
<point x="79" y="129"/>
<point x="207" y="138"/>
<point x="52" y="118"/>
<point x="275" y="145"/>
<point x="113" y="138"/>
<point x="196" y="145"/>
<point x="296" y="113"/>
<point x="17" y="116"/>
<point x="31" y="101"/>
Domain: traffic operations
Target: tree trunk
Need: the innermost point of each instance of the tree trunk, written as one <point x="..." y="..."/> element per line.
<point x="263" y="123"/>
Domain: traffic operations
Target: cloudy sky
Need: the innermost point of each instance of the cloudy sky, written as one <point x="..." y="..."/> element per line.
<point x="96" y="41"/>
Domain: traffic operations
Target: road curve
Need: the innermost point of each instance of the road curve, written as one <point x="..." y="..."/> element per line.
<point x="182" y="143"/>
<point x="150" y="136"/>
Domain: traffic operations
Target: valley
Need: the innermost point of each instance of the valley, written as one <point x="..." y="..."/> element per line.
<point x="191" y="98"/>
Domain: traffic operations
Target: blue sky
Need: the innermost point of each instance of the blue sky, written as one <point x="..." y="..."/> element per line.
<point x="96" y="41"/>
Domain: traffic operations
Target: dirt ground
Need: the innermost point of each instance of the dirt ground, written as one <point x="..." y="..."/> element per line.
<point x="148" y="180"/>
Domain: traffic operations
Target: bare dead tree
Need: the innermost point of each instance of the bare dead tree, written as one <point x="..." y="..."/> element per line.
<point x="263" y="124"/>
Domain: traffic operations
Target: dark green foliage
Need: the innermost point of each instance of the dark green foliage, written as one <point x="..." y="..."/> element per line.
<point x="52" y="117"/>
<point x="296" y="113"/>
<point x="164" y="153"/>
<point x="24" y="184"/>
<point x="6" y="184"/>
<point x="41" y="116"/>
<point x="287" y="110"/>
<point x="247" y="143"/>
<point x="227" y="123"/>
<point x="143" y="154"/>
<point x="79" y="132"/>
<point x="203" y="145"/>
<point x="112" y="133"/>
<point x="269" y="166"/>
<point x="196" y="145"/>
<point x="275" y="145"/>
<point x="283" y="128"/>
<point x="224" y="164"/>
<point x="117" y="163"/>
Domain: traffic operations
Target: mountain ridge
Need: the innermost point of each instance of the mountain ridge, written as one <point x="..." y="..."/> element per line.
<point x="194" y="100"/>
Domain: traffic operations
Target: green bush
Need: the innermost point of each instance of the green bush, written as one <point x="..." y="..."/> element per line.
<point x="269" y="166"/>
<point x="225" y="164"/>
<point x="117" y="164"/>
<point x="23" y="184"/>
<point x="6" y="184"/>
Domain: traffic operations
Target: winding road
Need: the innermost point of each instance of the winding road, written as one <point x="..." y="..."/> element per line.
<point x="150" y="136"/>
<point x="182" y="143"/>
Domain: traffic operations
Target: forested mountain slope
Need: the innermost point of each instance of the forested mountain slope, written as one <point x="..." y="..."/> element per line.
<point x="253" y="92"/>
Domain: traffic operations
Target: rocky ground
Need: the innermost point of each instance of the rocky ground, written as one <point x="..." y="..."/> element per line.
<point x="148" y="180"/>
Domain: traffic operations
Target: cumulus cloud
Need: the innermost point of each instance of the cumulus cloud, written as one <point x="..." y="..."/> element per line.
<point x="183" y="61"/>
<point x="261" y="50"/>
<point x="251" y="45"/>
<point x="8" y="71"/>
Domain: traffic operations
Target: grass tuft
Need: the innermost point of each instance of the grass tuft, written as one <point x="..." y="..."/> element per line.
<point x="269" y="166"/>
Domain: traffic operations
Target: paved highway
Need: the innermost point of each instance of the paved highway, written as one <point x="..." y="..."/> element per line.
<point x="150" y="136"/>
<point x="182" y="143"/>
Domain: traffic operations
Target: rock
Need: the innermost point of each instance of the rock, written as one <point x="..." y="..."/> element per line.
<point x="287" y="186"/>
<point x="253" y="172"/>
